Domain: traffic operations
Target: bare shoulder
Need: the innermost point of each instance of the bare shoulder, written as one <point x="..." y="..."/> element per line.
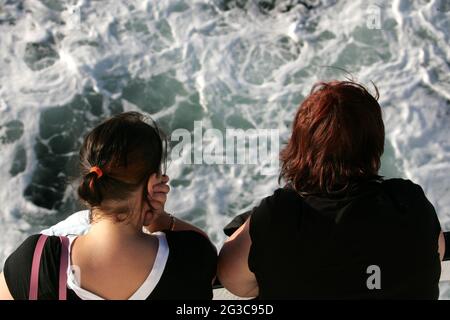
<point x="4" y="290"/>
<point x="233" y="269"/>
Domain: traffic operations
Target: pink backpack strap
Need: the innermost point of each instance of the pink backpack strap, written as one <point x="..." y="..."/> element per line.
<point x="64" y="263"/>
<point x="34" y="280"/>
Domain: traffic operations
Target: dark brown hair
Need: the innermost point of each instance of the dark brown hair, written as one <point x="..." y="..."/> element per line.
<point x="128" y="148"/>
<point x="337" y="137"/>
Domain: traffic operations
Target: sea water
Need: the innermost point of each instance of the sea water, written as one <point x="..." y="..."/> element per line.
<point x="66" y="65"/>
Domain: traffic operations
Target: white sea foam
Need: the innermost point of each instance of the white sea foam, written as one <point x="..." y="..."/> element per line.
<point x="65" y="64"/>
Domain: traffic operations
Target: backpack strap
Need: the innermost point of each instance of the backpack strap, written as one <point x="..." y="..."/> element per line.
<point x="447" y="246"/>
<point x="63" y="264"/>
<point x="64" y="261"/>
<point x="34" y="280"/>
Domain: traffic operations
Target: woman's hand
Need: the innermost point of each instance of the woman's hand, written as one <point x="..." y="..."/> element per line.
<point x="159" y="198"/>
<point x="161" y="220"/>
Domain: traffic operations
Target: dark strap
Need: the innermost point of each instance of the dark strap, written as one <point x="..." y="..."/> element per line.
<point x="447" y="245"/>
<point x="236" y="223"/>
<point x="63" y="264"/>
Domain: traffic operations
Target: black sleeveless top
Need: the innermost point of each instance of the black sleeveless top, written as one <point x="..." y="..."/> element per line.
<point x="316" y="247"/>
<point x="188" y="273"/>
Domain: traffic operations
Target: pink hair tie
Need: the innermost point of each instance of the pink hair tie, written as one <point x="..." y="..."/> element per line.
<point x="97" y="171"/>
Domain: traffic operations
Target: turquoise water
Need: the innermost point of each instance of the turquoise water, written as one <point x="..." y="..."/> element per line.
<point x="65" y="65"/>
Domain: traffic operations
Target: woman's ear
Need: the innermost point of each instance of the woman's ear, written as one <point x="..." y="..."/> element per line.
<point x="152" y="181"/>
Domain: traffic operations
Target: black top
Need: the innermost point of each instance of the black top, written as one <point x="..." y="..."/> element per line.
<point x="188" y="274"/>
<point x="320" y="247"/>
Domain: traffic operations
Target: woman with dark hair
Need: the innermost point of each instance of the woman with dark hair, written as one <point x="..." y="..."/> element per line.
<point x="337" y="230"/>
<point x="123" y="185"/>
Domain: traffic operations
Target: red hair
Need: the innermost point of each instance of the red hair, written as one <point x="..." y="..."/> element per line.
<point x="337" y="137"/>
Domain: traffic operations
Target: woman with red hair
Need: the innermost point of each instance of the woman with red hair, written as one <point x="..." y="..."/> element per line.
<point x="337" y="230"/>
